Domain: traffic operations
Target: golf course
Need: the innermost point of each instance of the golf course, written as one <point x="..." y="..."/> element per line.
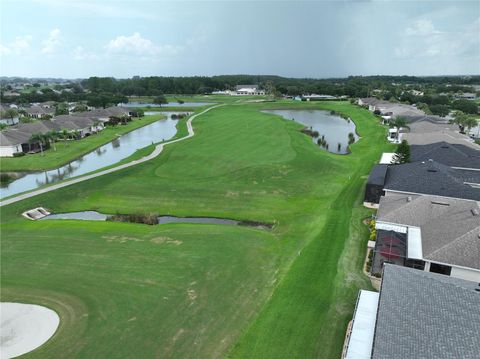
<point x="128" y="290"/>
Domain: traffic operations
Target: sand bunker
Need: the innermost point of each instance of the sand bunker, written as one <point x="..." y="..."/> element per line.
<point x="25" y="327"/>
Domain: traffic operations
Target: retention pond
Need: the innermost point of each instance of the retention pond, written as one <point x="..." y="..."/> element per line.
<point x="330" y="131"/>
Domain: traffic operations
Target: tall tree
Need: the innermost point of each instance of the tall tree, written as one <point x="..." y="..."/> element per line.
<point x="402" y="154"/>
<point x="11" y="113"/>
<point x="160" y="100"/>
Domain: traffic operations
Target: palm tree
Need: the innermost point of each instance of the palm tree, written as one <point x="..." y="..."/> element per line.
<point x="39" y="138"/>
<point x="52" y="137"/>
<point x="64" y="134"/>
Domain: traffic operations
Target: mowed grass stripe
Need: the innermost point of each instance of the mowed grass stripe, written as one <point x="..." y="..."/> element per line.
<point x="219" y="281"/>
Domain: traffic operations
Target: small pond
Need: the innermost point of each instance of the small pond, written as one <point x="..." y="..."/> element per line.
<point x="97" y="216"/>
<point x="170" y="104"/>
<point x="336" y="131"/>
<point x="106" y="155"/>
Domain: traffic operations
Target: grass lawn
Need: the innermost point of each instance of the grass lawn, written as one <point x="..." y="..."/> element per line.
<point x="205" y="291"/>
<point x="70" y="150"/>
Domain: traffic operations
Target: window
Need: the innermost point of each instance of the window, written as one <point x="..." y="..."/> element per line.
<point x="440" y="268"/>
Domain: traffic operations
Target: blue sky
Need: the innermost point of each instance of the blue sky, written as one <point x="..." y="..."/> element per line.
<point x="81" y="38"/>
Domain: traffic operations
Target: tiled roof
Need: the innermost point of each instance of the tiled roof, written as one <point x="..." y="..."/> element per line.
<point x="426" y="315"/>
<point x="431" y="177"/>
<point x="454" y="155"/>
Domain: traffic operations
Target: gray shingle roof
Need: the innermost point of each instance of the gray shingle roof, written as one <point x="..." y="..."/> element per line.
<point x="431" y="177"/>
<point x="450" y="229"/>
<point x="427" y="132"/>
<point x="13" y="137"/>
<point x="454" y="155"/>
<point x="426" y="315"/>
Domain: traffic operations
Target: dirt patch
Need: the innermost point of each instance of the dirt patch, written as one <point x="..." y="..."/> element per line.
<point x="166" y="240"/>
<point x="192" y="295"/>
<point x="121" y="239"/>
<point x="232" y="194"/>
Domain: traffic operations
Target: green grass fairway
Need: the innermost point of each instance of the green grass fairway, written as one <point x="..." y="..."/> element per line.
<point x="71" y="150"/>
<point x="205" y="291"/>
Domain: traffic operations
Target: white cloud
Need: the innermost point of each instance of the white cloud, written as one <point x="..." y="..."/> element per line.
<point x="423" y="39"/>
<point x="52" y="42"/>
<point x="20" y="46"/>
<point x="138" y="45"/>
<point x="79" y="53"/>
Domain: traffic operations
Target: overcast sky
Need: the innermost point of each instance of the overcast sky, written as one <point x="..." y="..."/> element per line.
<point x="71" y="39"/>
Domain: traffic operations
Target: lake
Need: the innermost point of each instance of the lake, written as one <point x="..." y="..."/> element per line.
<point x="334" y="129"/>
<point x="103" y="156"/>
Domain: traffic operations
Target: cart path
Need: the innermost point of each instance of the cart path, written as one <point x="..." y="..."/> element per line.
<point x="158" y="149"/>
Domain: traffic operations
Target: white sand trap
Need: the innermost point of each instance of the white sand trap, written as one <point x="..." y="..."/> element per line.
<point x="24" y="327"/>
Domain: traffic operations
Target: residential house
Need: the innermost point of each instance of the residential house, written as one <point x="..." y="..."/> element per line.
<point x="416" y="314"/>
<point x="431" y="233"/>
<point x="426" y="177"/>
<point x="11" y="142"/>
<point x="390" y="109"/>
<point x="18" y="138"/>
<point x="450" y="154"/>
<point x="39" y="112"/>
<point x="427" y="132"/>
<point x="83" y="126"/>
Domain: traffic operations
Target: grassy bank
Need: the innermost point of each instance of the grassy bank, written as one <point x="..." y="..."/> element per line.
<point x="207" y="291"/>
<point x="70" y="150"/>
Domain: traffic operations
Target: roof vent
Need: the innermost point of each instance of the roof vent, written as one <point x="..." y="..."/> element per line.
<point x="441" y="203"/>
<point x="409" y="199"/>
<point x="445" y="146"/>
<point x="432" y="170"/>
<point x="430" y="160"/>
<point x="475" y="212"/>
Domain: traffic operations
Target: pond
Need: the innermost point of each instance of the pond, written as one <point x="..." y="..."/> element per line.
<point x="103" y="156"/>
<point x="170" y="104"/>
<point x="337" y="133"/>
<point x="97" y="216"/>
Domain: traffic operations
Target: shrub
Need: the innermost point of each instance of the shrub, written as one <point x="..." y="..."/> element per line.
<point x="150" y="219"/>
<point x="19" y="154"/>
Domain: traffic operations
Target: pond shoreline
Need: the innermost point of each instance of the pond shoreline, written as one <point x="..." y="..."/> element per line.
<point x="152" y="219"/>
<point x="107" y="155"/>
<point x="86" y="152"/>
<point x="331" y="132"/>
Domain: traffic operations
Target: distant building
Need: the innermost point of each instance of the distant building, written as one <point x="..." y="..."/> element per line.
<point x="39" y="112"/>
<point x="253" y="90"/>
<point x="465" y="96"/>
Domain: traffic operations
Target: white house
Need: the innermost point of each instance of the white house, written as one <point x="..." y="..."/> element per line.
<point x="252" y="90"/>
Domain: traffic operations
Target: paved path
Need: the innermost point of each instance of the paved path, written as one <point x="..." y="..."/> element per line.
<point x="158" y="149"/>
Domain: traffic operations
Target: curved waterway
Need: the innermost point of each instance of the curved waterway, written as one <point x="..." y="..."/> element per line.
<point x="334" y="129"/>
<point x="106" y="155"/>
